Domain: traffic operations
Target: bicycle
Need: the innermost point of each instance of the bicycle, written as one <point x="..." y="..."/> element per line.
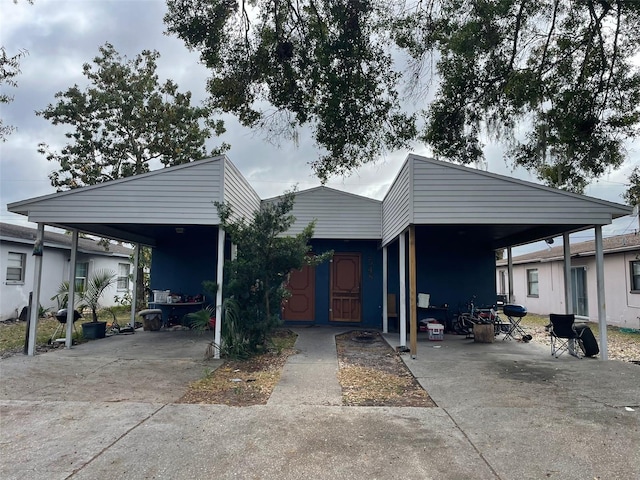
<point x="466" y="320"/>
<point x="479" y="316"/>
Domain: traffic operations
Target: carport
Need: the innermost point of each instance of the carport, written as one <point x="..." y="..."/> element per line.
<point x="434" y="208"/>
<point x="150" y="209"/>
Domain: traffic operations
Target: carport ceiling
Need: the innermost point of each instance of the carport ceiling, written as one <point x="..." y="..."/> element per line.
<point x="497" y="236"/>
<point x="145" y="234"/>
<point x="493" y="236"/>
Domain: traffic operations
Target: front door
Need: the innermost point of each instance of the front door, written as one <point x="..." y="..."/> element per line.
<point x="301" y="305"/>
<point x="345" y="288"/>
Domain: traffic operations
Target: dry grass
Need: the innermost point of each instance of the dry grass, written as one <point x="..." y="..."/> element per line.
<point x="244" y="383"/>
<point x="369" y="386"/>
<point x="12" y="333"/>
<point x="372" y="374"/>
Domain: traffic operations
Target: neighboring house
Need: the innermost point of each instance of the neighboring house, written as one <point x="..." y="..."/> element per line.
<point x="436" y="232"/>
<point x="538" y="280"/>
<point x="16" y="267"/>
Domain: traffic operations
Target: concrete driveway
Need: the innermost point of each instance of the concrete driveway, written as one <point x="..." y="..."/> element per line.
<point x="505" y="411"/>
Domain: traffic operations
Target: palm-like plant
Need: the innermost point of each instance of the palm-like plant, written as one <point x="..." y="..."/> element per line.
<point x="88" y="297"/>
<point x="97" y="283"/>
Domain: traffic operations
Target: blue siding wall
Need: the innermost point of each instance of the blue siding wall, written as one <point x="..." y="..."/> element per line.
<point x="453" y="271"/>
<point x="181" y="262"/>
<point x="371" y="262"/>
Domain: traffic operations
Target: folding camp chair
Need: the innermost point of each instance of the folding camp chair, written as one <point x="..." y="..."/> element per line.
<point x="564" y="337"/>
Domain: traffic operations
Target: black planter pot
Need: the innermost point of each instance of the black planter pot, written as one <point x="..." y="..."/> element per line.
<point x="94" y="330"/>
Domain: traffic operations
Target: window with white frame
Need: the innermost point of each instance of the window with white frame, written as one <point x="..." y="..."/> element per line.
<point x="123" y="276"/>
<point x="634" y="267"/>
<point x="532" y="282"/>
<point x="82" y="272"/>
<point x="15" y="267"/>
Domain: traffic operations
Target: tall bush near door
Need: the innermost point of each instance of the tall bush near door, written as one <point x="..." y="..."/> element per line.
<point x="255" y="279"/>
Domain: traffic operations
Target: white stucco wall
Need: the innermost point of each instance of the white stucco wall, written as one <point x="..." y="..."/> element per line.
<point x="55" y="270"/>
<point x="622" y="306"/>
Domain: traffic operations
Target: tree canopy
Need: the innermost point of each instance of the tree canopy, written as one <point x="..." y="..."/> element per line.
<point x="554" y="81"/>
<point x="286" y="64"/>
<point x="9" y="69"/>
<point x="124" y="119"/>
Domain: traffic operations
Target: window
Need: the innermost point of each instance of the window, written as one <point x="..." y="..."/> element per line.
<point x="123" y="276"/>
<point x="503" y="282"/>
<point x="82" y="272"/>
<point x="532" y="282"/>
<point x="15" y="267"/>
<point x="634" y="267"/>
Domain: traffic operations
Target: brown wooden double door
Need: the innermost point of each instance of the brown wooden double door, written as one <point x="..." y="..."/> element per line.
<point x="344" y="292"/>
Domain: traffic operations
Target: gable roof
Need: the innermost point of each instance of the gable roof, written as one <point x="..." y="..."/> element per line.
<point x="615" y="244"/>
<point x="337" y="214"/>
<point x="27" y="235"/>
<point x="433" y="192"/>
<point x="127" y="208"/>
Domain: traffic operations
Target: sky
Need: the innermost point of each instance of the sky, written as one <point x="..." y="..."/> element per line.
<point x="61" y="35"/>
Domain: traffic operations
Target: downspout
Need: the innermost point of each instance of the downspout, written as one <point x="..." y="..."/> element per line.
<point x="38" y="249"/>
<point x="602" y="314"/>
<point x="219" y="281"/>
<point x="71" y="293"/>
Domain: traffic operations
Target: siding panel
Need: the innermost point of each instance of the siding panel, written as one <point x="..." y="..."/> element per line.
<point x="450" y="194"/>
<point x="239" y="193"/>
<point x="182" y="194"/>
<point x="396" y="208"/>
<point x="337" y="214"/>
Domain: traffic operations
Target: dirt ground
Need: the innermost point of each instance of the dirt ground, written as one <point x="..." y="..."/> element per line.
<point x="372" y="373"/>
<point x="243" y="383"/>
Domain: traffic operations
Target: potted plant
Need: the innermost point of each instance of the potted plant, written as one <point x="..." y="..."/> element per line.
<point x="88" y="298"/>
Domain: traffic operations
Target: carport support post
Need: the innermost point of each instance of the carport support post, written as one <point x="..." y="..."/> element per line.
<point x="219" y="281"/>
<point x="134" y="295"/>
<point x="510" y="274"/>
<point x="413" y="303"/>
<point x="68" y="341"/>
<point x="38" y="250"/>
<point x="385" y="307"/>
<point x="602" y="314"/>
<point x="403" y="291"/>
<point x="568" y="292"/>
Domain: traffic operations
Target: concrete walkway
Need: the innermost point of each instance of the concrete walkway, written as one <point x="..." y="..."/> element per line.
<point x="505" y="411"/>
<point x="310" y="377"/>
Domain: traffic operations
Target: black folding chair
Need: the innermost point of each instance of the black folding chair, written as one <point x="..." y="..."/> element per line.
<point x="564" y="337"/>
